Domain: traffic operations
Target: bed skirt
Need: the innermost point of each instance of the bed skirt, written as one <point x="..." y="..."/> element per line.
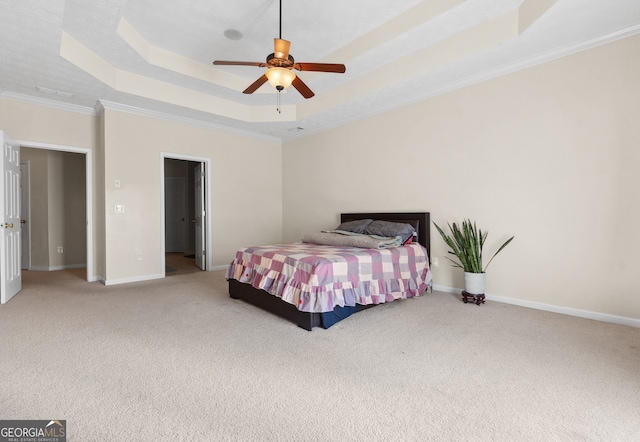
<point x="273" y="304"/>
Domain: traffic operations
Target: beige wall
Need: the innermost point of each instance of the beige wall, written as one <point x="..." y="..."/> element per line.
<point x="549" y="154"/>
<point x="246" y="182"/>
<point x="246" y="190"/>
<point x="45" y="125"/>
<point x="246" y="187"/>
<point x="25" y="121"/>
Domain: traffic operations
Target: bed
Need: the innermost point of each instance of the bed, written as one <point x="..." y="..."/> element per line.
<point x="259" y="276"/>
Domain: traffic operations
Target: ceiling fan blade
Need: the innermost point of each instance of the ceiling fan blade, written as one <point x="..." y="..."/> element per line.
<point x="239" y="63"/>
<point x="255" y="85"/>
<point x="321" y="67"/>
<point x="281" y="48"/>
<point x="302" y="88"/>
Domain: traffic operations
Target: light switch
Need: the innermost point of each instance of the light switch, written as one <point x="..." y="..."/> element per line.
<point x="117" y="183"/>
<point x="119" y="208"/>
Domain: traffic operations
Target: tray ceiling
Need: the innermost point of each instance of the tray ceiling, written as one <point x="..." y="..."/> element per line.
<point x="155" y="57"/>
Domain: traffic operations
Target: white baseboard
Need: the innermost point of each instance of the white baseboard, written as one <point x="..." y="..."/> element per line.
<point x="55" y="268"/>
<point x="587" y="314"/>
<point x="128" y="280"/>
<point x="145" y="278"/>
<point x="214" y="268"/>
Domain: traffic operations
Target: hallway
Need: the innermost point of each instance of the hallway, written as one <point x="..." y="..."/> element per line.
<point x="179" y="264"/>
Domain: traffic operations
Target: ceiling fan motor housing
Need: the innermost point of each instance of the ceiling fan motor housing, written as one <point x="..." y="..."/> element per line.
<point x="275" y="62"/>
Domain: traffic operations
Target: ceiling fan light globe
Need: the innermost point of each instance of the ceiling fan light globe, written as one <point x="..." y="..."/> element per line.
<point x="280" y="77"/>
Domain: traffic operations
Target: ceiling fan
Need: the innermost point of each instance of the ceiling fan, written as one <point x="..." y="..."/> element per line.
<point x="279" y="68"/>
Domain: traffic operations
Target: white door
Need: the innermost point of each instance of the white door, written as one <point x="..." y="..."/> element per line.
<point x="24" y="215"/>
<point x="200" y="216"/>
<point x="10" y="274"/>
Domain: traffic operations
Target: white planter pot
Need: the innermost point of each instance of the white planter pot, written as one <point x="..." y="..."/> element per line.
<point x="474" y="283"/>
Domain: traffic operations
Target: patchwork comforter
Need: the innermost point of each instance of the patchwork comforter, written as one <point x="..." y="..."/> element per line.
<point x="317" y="278"/>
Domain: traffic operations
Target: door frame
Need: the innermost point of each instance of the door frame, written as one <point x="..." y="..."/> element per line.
<point x="207" y="205"/>
<point x="88" y="153"/>
<point x="25" y="215"/>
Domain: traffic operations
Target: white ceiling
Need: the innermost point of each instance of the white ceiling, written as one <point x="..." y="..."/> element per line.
<point x="396" y="53"/>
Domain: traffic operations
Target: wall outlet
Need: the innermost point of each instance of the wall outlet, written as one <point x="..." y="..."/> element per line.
<point x="60" y="249"/>
<point x="435" y="261"/>
<point x="119" y="208"/>
<point x="139" y="256"/>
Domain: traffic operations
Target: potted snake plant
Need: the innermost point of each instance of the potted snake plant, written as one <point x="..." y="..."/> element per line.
<point x="466" y="243"/>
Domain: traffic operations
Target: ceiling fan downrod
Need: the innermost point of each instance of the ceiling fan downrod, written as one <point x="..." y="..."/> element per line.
<point x="280" y="23"/>
<point x="279" y="87"/>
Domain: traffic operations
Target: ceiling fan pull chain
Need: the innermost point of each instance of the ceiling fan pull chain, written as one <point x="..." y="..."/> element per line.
<point x="278" y="103"/>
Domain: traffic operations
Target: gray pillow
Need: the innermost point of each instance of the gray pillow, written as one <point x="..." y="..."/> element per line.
<point x="388" y="228"/>
<point x="356" y="226"/>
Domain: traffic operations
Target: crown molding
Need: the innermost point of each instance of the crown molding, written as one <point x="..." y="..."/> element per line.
<point x="446" y="88"/>
<point x="103" y="104"/>
<point x="85" y="110"/>
<point x="480" y="77"/>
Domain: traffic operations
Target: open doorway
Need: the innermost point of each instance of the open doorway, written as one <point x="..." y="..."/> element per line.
<point x="183" y="216"/>
<point x="54" y="207"/>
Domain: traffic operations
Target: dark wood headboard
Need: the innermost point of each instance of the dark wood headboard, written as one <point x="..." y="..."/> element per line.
<point x="421" y="221"/>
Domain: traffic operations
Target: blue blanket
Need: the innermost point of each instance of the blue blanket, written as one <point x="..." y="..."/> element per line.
<point x="338" y="314"/>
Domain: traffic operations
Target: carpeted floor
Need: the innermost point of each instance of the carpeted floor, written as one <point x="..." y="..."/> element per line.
<point x="177" y="359"/>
